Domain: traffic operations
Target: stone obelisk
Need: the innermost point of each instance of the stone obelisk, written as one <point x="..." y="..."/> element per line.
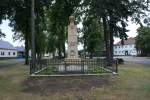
<point x="72" y="40"/>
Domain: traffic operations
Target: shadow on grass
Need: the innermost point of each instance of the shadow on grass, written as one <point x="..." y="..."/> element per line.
<point x="46" y="85"/>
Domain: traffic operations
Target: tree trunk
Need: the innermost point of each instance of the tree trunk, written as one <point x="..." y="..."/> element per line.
<point x="64" y="50"/>
<point x="111" y="45"/>
<point x="39" y="55"/>
<point x="84" y="47"/>
<point x="26" y="49"/>
<point x="53" y="54"/>
<point x="27" y="36"/>
<point x="106" y="39"/>
<point x="91" y="55"/>
<point x="33" y="32"/>
<point x="59" y="51"/>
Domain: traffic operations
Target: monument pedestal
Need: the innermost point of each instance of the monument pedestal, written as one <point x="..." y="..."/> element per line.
<point x="72" y="41"/>
<point x="74" y="65"/>
<point x="73" y="61"/>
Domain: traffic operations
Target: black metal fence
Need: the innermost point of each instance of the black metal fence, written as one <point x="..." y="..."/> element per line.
<point x="72" y="66"/>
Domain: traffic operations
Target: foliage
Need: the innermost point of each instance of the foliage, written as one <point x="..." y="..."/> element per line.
<point x="114" y="15"/>
<point x="2" y="34"/>
<point x="120" y="60"/>
<point x="19" y="14"/>
<point x="58" y="21"/>
<point x="50" y="70"/>
<point x="101" y="19"/>
<point x="142" y="39"/>
<point x="96" y="70"/>
<point x="92" y="35"/>
<point x="4" y="11"/>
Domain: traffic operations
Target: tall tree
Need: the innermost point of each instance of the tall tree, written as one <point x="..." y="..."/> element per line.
<point x="60" y="11"/>
<point x="20" y="19"/>
<point x="114" y="15"/>
<point x="92" y="35"/>
<point x="142" y="39"/>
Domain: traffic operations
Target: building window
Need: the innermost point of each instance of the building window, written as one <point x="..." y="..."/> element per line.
<point x="2" y="53"/>
<point x="8" y="53"/>
<point x="14" y="53"/>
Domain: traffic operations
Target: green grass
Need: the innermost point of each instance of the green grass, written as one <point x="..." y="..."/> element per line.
<point x="132" y="83"/>
<point x="52" y="70"/>
<point x="96" y="70"/>
<point x="9" y="61"/>
<point x="49" y="71"/>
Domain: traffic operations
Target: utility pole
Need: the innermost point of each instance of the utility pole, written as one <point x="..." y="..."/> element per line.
<point x="33" y="33"/>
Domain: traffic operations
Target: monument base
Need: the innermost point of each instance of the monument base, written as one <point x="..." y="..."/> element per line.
<point x="72" y="58"/>
<point x="73" y="65"/>
<point x="73" y="61"/>
<point x="72" y="68"/>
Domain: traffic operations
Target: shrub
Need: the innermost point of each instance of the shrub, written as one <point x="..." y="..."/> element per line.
<point x="120" y="60"/>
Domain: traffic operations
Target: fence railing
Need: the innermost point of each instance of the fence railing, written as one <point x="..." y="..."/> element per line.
<point x="72" y="66"/>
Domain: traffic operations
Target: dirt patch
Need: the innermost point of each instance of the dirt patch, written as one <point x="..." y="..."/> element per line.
<point x="46" y="85"/>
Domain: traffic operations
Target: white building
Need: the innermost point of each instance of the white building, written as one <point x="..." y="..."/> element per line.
<point x="7" y="50"/>
<point x="128" y="49"/>
<point x="20" y="51"/>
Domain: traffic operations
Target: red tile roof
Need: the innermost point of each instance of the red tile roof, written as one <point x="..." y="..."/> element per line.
<point x="127" y="42"/>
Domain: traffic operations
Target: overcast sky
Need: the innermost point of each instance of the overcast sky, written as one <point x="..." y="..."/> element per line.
<point x="9" y="34"/>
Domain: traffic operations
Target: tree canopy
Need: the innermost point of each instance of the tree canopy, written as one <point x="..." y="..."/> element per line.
<point x="102" y="20"/>
<point x="142" y="39"/>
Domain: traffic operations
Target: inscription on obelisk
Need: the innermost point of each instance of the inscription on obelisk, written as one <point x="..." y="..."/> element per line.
<point x="72" y="40"/>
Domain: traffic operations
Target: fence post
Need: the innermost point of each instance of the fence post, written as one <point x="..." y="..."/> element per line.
<point x="116" y="66"/>
<point x="65" y="66"/>
<point x="30" y="67"/>
<point x="82" y="66"/>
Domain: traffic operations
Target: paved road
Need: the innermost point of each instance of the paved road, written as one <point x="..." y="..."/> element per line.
<point x="138" y="60"/>
<point x="10" y="62"/>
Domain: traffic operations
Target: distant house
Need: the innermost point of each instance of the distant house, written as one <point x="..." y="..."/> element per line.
<point x="7" y="50"/>
<point x="20" y="51"/>
<point x="128" y="49"/>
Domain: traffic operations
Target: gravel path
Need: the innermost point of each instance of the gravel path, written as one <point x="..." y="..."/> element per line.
<point x="138" y="60"/>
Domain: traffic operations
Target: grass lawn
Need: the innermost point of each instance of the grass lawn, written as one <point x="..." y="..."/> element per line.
<point x="132" y="83"/>
<point x="53" y="70"/>
<point x="10" y="61"/>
